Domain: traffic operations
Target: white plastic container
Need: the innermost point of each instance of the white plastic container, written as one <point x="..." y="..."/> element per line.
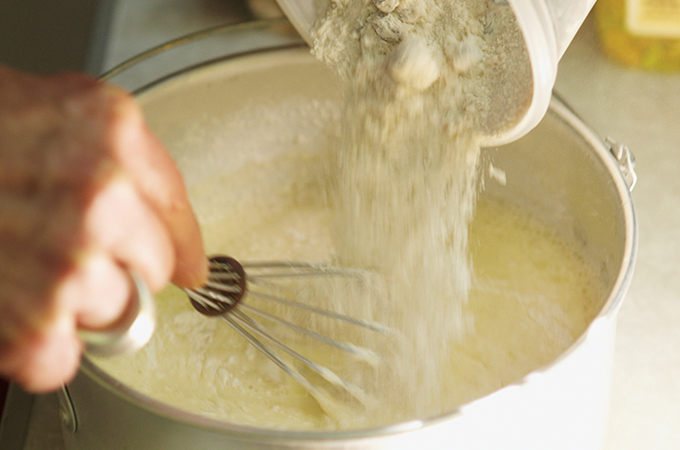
<point x="548" y="27"/>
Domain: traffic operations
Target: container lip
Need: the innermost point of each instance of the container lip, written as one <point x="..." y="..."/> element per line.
<point x="541" y="45"/>
<point x="607" y="312"/>
<point x="301" y="14"/>
<point x="536" y="25"/>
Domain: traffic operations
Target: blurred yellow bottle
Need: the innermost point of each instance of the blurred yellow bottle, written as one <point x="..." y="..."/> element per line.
<point x="641" y="33"/>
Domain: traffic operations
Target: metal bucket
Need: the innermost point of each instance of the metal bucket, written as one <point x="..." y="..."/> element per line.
<point x="561" y="170"/>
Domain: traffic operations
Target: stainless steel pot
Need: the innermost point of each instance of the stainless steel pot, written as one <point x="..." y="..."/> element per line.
<point x="561" y="170"/>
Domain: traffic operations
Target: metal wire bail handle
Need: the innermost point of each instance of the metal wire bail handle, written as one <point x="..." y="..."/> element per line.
<point x="626" y="161"/>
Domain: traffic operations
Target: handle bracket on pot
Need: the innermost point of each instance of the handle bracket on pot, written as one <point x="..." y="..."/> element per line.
<point x="626" y="161"/>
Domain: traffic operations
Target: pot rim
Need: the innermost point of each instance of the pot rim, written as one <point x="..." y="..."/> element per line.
<point x="606" y="313"/>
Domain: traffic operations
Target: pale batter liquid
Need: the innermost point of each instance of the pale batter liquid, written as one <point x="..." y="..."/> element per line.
<point x="532" y="295"/>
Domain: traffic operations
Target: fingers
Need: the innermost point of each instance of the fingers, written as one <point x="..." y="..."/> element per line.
<point x="158" y="180"/>
<point x="72" y="131"/>
<point x="39" y="346"/>
<point x="41" y="362"/>
<point x="92" y="195"/>
<point x="166" y="192"/>
<point x="123" y="234"/>
<point x="49" y="129"/>
<point x="97" y="292"/>
<point x="121" y="223"/>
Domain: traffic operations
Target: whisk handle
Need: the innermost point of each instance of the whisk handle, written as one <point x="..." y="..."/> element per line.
<point x="130" y="333"/>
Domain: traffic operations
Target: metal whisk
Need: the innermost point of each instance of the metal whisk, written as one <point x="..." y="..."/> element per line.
<point x="230" y="282"/>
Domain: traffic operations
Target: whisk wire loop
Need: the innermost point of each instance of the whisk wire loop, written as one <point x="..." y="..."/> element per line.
<point x="272" y="356"/>
<point x="324" y="312"/>
<point x="230" y="281"/>
<point x="356" y="351"/>
<point x="246" y="322"/>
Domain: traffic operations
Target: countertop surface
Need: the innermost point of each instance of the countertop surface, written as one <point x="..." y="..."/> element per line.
<point x="640" y="109"/>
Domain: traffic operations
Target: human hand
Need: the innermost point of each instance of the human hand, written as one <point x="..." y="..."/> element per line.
<point x="87" y="193"/>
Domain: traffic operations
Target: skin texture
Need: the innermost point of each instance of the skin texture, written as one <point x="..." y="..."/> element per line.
<point x="87" y="193"/>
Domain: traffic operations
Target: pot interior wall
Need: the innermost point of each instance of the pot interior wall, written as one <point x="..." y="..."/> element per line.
<point x="553" y="171"/>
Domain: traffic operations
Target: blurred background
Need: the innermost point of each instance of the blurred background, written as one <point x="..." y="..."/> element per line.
<point x="51" y="36"/>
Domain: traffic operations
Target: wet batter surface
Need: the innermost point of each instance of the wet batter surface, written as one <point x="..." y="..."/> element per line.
<point x="532" y="294"/>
